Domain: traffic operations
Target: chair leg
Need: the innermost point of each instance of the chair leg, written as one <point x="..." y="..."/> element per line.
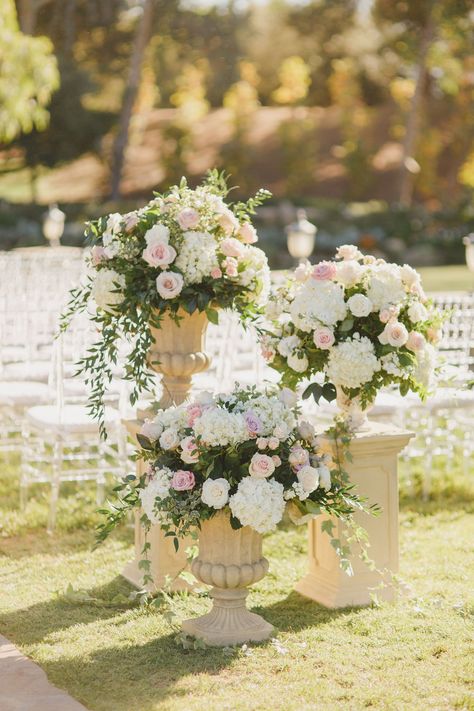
<point x="55" y="484"/>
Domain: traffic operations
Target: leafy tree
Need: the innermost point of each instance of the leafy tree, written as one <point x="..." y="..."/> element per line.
<point x="28" y="78"/>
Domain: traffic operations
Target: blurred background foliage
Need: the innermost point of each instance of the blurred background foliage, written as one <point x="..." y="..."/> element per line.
<point x="360" y="110"/>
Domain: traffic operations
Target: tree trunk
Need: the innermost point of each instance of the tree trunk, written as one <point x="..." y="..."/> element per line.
<point x="406" y="179"/>
<point x="27" y="14"/>
<point x="142" y="37"/>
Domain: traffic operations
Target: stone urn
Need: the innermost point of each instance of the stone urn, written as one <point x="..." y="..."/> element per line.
<point x="229" y="560"/>
<point x="178" y="353"/>
<point x="355" y="416"/>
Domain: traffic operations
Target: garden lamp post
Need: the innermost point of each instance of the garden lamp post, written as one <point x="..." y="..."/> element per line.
<point x="53" y="225"/>
<point x="300" y="237"/>
<point x="469" y="244"/>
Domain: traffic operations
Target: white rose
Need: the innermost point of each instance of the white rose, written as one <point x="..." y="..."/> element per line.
<point x="288" y="397"/>
<point x="169" y="284"/>
<point x="281" y="431"/>
<point x="215" y="493"/>
<point x="298" y="363"/>
<point x="261" y="466"/>
<point x="169" y="439"/>
<point x="324" y="477"/>
<point x="409" y="275"/>
<point x="349" y="272"/>
<point x="157" y="233"/>
<point x="417" y="312"/>
<point x="306" y="429"/>
<point x="348" y="251"/>
<point x="205" y="398"/>
<point x="308" y="477"/>
<point x="287" y="345"/>
<point x="394" y="334"/>
<point x="151" y="430"/>
<point x="359" y="305"/>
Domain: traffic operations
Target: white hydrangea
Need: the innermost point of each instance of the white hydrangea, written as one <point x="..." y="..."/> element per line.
<point x="316" y="303"/>
<point x="173" y="417"/>
<point x="256" y="273"/>
<point x="258" y="503"/>
<point x="391" y="364"/>
<point x="385" y="286"/>
<point x="352" y="363"/>
<point x="349" y="272"/>
<point x="105" y="284"/>
<point x="417" y="312"/>
<point x="272" y="413"/>
<point x="197" y="256"/>
<point x="217" y="427"/>
<point x="157" y="488"/>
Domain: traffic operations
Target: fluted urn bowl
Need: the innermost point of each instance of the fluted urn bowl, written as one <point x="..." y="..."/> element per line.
<point x="178" y="352"/>
<point x="229" y="560"/>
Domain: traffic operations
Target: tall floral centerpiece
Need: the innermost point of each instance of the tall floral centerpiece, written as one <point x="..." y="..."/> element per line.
<point x="228" y="466"/>
<point x="359" y="323"/>
<point x="159" y="275"/>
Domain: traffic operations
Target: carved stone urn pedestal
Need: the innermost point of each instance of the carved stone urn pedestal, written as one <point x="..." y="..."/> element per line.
<point x="229" y="560"/>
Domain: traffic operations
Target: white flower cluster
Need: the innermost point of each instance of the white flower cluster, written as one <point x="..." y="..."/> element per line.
<point x="157" y="488"/>
<point x="316" y="303"/>
<point x="218" y="428"/>
<point x="258" y="503"/>
<point x="197" y="256"/>
<point x="350" y="319"/>
<point x="274" y="416"/>
<point x="106" y="288"/>
<point x="352" y="363"/>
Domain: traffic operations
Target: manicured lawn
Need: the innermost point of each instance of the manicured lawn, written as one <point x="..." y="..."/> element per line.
<point x="415" y="654"/>
<point x="455" y="277"/>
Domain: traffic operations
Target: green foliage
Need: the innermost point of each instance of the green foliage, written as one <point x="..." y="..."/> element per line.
<point x="28" y="77"/>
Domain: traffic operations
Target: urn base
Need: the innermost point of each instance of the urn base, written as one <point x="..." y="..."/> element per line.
<point x="229" y="622"/>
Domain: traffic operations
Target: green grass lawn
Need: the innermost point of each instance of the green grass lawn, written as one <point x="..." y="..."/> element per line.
<point x="455" y="277"/>
<point x="415" y="654"/>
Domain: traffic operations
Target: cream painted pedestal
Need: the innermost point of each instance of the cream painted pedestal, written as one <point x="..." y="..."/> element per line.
<point x="166" y="563"/>
<point x="374" y="471"/>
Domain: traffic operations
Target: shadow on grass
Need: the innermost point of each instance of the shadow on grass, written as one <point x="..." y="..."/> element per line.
<point x="295" y="613"/>
<point x="36" y="623"/>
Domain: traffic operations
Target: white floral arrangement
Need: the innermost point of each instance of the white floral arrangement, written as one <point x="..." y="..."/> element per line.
<point x="244" y="452"/>
<point x="187" y="250"/>
<point x="361" y="322"/>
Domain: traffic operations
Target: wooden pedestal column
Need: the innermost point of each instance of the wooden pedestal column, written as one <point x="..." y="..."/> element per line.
<point x="374" y="471"/>
<point x="166" y="563"/>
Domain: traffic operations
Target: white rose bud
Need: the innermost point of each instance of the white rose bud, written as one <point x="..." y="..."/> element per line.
<point x="324" y="477"/>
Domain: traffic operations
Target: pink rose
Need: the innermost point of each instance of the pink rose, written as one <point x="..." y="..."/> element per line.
<point x="230" y="266"/>
<point x="415" y="341"/>
<point x="385" y="316"/>
<point x="323" y="338"/>
<point x="189" y="451"/>
<point x="395" y="334"/>
<point x="324" y="271"/>
<point x="169" y="284"/>
<point x="188" y="218"/>
<point x="228" y="221"/>
<point x="131" y="221"/>
<point x="98" y="255"/>
<point x="248" y="233"/>
<point x="183" y="480"/>
<point x="276" y="460"/>
<point x="262" y="442"/>
<point x="261" y="466"/>
<point x="159" y="254"/>
<point x="298" y="457"/>
<point x="273" y="443"/>
<point x="193" y="412"/>
<point x="216" y="273"/>
<point x="268" y="353"/>
<point x="231" y="247"/>
<point x="254" y="424"/>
